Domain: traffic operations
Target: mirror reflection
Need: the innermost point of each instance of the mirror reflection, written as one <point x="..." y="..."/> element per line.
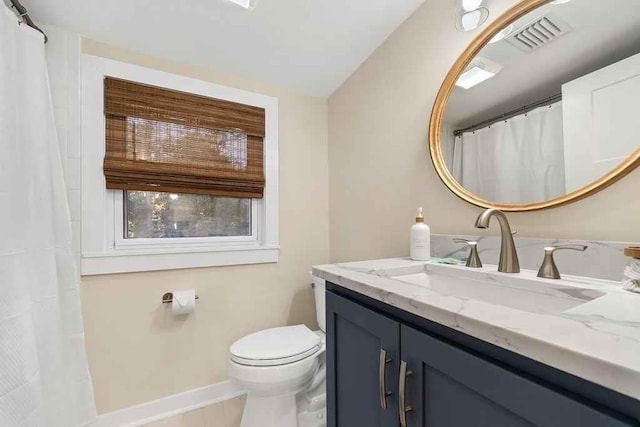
<point x="550" y="105"/>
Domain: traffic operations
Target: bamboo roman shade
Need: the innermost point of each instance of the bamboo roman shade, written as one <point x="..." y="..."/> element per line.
<point x="164" y="140"/>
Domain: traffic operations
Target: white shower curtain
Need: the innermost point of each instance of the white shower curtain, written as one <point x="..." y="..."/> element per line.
<point x="44" y="378"/>
<point x="514" y="162"/>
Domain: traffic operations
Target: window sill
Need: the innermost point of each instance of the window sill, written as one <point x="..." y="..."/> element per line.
<point x="132" y="261"/>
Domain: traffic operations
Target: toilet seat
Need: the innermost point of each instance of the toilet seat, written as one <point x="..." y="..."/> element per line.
<point x="276" y="346"/>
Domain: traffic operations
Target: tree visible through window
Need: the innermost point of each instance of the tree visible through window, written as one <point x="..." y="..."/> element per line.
<point x="151" y="214"/>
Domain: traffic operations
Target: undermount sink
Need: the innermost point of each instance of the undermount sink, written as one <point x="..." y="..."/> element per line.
<point x="516" y="291"/>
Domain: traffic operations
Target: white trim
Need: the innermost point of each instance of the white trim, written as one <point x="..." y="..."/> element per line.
<point x="172" y="261"/>
<point x="169" y="406"/>
<point x="103" y="250"/>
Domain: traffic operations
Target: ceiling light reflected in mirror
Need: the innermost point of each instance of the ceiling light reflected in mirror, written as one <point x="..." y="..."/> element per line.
<point x="502" y="34"/>
<point x="247" y="4"/>
<point x="472" y="77"/>
<point x="480" y="70"/>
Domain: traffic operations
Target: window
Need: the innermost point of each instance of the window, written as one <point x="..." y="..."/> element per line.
<point x="155" y="215"/>
<point x="177" y="172"/>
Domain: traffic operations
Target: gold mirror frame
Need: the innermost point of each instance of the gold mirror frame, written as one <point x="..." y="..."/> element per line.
<point x="435" y="124"/>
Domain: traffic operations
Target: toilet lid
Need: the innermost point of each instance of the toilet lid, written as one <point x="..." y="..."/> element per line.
<point x="276" y="346"/>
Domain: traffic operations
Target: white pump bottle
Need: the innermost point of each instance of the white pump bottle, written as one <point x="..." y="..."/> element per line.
<point x="420" y="239"/>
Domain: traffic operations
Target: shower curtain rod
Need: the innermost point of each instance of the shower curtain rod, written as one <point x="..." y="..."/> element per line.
<point x="24" y="15"/>
<point x="506" y="116"/>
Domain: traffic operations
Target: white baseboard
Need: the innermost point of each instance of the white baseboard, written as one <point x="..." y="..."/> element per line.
<point x="169" y="406"/>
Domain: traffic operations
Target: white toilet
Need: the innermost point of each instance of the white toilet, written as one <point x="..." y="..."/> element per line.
<point x="283" y="371"/>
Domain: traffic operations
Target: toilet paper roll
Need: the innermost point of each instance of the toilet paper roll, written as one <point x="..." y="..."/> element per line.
<point x="183" y="302"/>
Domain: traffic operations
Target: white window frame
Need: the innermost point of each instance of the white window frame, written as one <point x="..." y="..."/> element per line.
<point x="104" y="248"/>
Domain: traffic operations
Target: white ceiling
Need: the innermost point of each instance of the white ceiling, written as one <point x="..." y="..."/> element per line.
<point x="308" y="45"/>
<point x="604" y="32"/>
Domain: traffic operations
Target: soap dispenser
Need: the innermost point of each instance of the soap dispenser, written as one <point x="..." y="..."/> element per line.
<point x="420" y="239"/>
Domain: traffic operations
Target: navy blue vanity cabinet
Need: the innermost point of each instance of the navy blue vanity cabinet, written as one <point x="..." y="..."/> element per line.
<point x="439" y="382"/>
<point x="363" y="359"/>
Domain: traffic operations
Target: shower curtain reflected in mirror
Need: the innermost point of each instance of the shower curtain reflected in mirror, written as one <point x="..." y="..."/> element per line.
<point x="44" y="377"/>
<point x="517" y="161"/>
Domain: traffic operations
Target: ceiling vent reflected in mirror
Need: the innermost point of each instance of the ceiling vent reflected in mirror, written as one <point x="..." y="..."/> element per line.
<point x="539" y="32"/>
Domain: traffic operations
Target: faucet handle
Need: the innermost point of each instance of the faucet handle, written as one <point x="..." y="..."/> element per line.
<point x="473" y="260"/>
<point x="548" y="269"/>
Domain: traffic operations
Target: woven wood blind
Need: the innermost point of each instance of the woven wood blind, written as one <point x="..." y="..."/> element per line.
<point x="164" y="140"/>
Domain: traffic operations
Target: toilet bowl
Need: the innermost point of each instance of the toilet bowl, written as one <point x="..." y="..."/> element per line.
<point x="283" y="372"/>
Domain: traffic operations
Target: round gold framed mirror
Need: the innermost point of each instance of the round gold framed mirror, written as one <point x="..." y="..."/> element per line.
<point x="538" y="111"/>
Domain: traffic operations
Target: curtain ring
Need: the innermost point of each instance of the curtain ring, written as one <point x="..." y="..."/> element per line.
<point x="20" y="17"/>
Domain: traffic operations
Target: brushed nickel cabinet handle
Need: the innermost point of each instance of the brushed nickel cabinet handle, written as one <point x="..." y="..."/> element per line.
<point x="382" y="378"/>
<point x="402" y="407"/>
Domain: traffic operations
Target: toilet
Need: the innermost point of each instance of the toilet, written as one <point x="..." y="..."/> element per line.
<point x="283" y="371"/>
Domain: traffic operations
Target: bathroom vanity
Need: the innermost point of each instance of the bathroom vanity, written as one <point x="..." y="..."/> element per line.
<point x="425" y="344"/>
<point x="531" y="116"/>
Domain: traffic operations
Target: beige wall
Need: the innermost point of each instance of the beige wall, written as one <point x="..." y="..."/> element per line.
<point x="379" y="164"/>
<point x="137" y="350"/>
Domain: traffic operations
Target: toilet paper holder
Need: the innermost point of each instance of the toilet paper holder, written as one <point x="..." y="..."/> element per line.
<point x="167" y="298"/>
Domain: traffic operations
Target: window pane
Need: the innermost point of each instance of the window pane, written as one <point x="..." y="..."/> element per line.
<point x="165" y="215"/>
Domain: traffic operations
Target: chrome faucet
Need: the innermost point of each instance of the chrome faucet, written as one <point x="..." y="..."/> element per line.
<point x="508" y="254"/>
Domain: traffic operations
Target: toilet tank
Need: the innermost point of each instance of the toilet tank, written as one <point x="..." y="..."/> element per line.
<point x="319" y="287"/>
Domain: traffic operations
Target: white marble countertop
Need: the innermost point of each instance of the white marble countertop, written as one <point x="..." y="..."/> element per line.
<point x="596" y="336"/>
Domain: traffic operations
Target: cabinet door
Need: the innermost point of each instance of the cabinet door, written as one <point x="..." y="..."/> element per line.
<point x="450" y="387"/>
<point x="361" y="378"/>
